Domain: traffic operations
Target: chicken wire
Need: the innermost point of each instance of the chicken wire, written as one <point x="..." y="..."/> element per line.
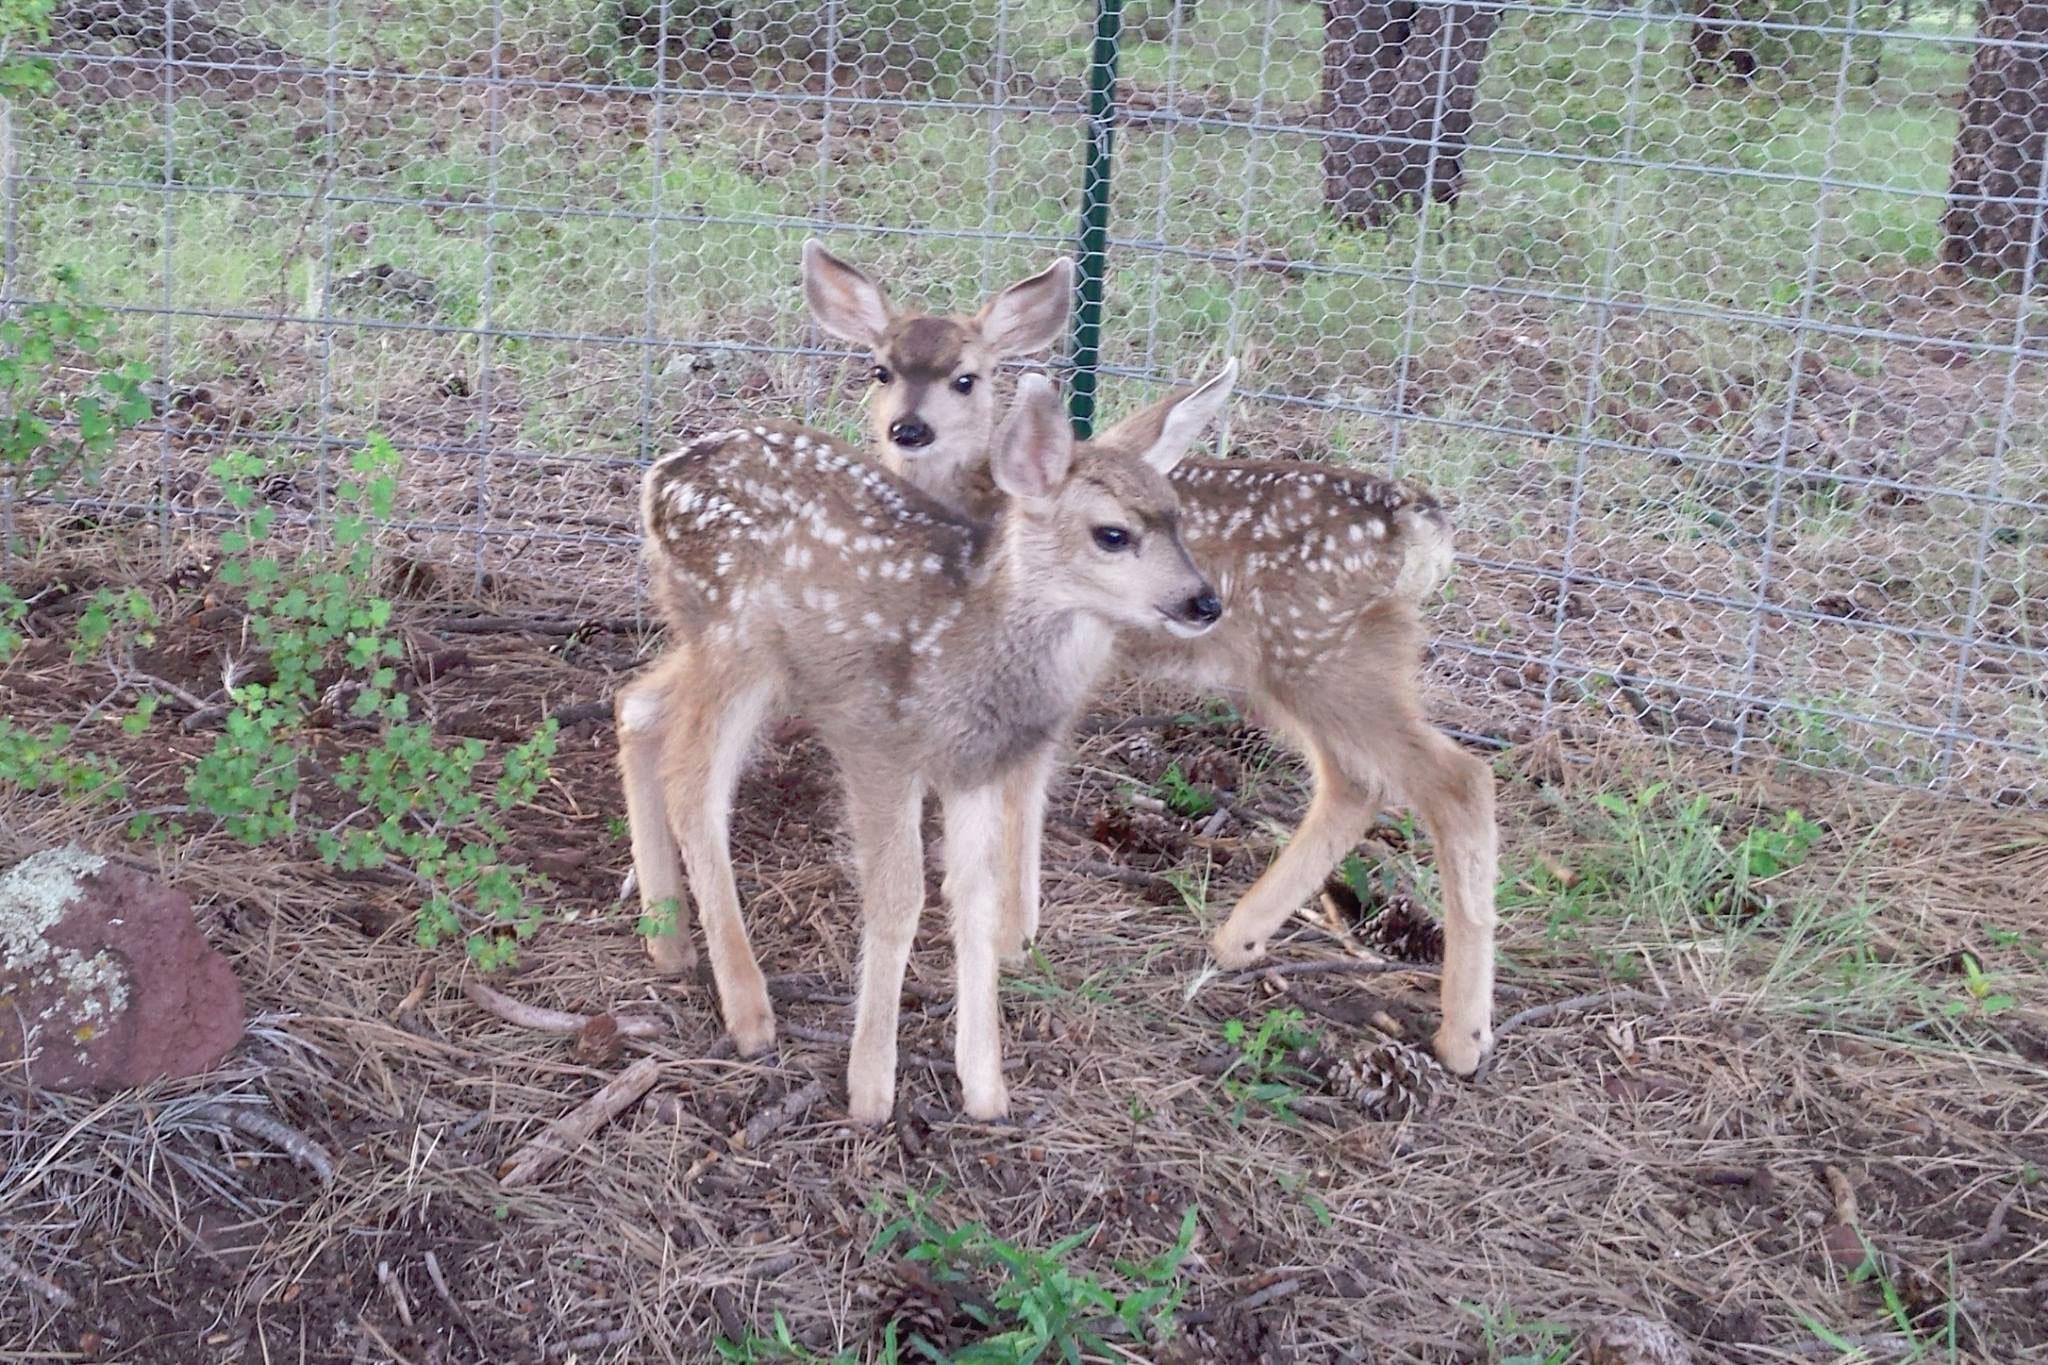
<point x="1653" y="295"/>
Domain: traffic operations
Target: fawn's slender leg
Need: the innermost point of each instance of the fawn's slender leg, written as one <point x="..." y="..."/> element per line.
<point x="706" y="738"/>
<point x="657" y="862"/>
<point x="1452" y="793"/>
<point x="888" y="847"/>
<point x="1340" y="813"/>
<point x="974" y="872"/>
<point x="1024" y="792"/>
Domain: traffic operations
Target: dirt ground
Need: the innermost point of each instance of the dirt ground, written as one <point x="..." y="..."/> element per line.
<point x="1684" y="1150"/>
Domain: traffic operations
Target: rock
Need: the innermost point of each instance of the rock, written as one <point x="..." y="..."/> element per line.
<point x="1632" y="1340"/>
<point x="105" y="979"/>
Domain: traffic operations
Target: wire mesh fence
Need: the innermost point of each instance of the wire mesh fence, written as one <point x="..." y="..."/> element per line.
<point x="1662" y="298"/>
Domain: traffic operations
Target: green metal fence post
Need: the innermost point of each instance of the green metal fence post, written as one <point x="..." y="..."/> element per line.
<point x="1109" y="29"/>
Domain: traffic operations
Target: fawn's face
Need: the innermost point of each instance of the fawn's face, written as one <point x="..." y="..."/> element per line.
<point x="1097" y="531"/>
<point x="931" y="400"/>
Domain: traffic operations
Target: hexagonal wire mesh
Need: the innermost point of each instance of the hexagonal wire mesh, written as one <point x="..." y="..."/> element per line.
<point x="1654" y="294"/>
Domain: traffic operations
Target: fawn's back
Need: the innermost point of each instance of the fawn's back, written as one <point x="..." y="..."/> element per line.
<point x="948" y="644"/>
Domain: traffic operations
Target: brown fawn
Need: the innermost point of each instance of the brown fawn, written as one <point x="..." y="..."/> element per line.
<point x="1322" y="572"/>
<point x="928" y="650"/>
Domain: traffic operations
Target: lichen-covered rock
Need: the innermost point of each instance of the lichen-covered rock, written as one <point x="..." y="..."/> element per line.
<point x="105" y="979"/>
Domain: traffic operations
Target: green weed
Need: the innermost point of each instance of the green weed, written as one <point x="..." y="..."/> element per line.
<point x="49" y="432"/>
<point x="1264" y="1074"/>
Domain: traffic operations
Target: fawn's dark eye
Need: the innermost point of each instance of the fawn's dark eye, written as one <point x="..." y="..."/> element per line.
<point x="964" y="384"/>
<point x="880" y="374"/>
<point x="1112" y="538"/>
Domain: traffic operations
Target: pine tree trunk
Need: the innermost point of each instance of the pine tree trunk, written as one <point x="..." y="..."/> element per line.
<point x="1994" y="195"/>
<point x="1399" y="81"/>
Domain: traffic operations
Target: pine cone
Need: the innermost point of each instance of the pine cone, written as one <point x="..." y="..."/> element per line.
<point x="1387" y="1080"/>
<point x="1636" y="1341"/>
<point x="918" y="1306"/>
<point x="1406" y="934"/>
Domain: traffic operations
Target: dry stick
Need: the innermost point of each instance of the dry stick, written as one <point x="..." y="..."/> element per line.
<point x="525" y="625"/>
<point x="275" y="1131"/>
<point x="553" y="1021"/>
<point x="769" y="1121"/>
<point x="595" y="1341"/>
<point x="1994" y="1231"/>
<point x="460" y="1313"/>
<point x="397" y="1292"/>
<point x="1331" y="967"/>
<point x="1540" y="1014"/>
<point x="1250" y="1303"/>
<point x="46" y="1289"/>
<point x="562" y="1136"/>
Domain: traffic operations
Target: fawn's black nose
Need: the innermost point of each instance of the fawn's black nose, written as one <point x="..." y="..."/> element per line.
<point x="1203" y="609"/>
<point x="910" y="433"/>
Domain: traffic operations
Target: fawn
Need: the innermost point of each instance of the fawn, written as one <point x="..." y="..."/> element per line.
<point x="928" y="650"/>
<point x="1322" y="572"/>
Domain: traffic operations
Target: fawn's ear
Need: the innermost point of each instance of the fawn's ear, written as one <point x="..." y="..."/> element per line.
<point x="845" y="302"/>
<point x="1031" y="314"/>
<point x="1163" y="433"/>
<point x="1035" y="449"/>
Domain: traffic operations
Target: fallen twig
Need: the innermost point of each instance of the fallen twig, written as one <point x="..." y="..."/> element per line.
<point x="563" y="1136"/>
<point x="460" y="1313"/>
<point x="45" y="1289"/>
<point x="1994" y="1230"/>
<point x="275" y="1131"/>
<point x="553" y="1021"/>
<point x="1113" y="872"/>
<point x="595" y="1341"/>
<point x="1364" y="966"/>
<point x="1279" y="1289"/>
<point x="1541" y="1014"/>
<point x="778" y="1116"/>
<point x="575" y="713"/>
<point x="397" y="1292"/>
<point x="528" y="625"/>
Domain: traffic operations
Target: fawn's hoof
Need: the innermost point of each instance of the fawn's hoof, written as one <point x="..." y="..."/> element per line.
<point x="987" y="1103"/>
<point x="870" y="1104"/>
<point x="1461" y="1050"/>
<point x="1233" y="949"/>
<point x="753" y="1033"/>
<point x="672" y="954"/>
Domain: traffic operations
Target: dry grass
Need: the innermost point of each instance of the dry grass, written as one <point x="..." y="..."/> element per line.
<point x="1673" y="1162"/>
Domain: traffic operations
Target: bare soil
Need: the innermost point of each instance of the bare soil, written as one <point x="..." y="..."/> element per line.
<point x="1685" y="1163"/>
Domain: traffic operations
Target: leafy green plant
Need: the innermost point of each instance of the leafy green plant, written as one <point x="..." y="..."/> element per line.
<point x="422" y="805"/>
<point x="31" y="762"/>
<point x="1511" y="1340"/>
<point x="1264" y="1073"/>
<point x="1039" y="1307"/>
<point x="45" y="432"/>
<point x="1768" y="850"/>
<point x="1982" y="994"/>
<point x="1183" y="797"/>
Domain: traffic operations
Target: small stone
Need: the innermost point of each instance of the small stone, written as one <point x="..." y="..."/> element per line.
<point x="105" y="979"/>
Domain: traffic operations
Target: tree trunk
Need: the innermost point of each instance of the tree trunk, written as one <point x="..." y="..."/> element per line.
<point x="1717" y="42"/>
<point x="1994" y="216"/>
<point x="1399" y="80"/>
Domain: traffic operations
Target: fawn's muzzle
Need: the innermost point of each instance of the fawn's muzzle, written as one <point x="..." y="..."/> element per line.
<point x="910" y="433"/>
<point x="1196" y="614"/>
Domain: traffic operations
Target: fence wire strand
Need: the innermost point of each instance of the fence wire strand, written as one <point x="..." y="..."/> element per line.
<point x="1657" y="297"/>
